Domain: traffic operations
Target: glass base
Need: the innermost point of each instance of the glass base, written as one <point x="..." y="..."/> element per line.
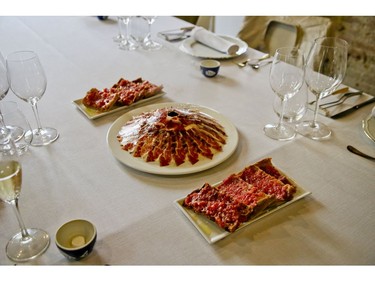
<point x="118" y="38"/>
<point x="41" y="137"/>
<point x="318" y="131"/>
<point x="152" y="45"/>
<point x="21" y="250"/>
<point x="279" y="132"/>
<point x="127" y="45"/>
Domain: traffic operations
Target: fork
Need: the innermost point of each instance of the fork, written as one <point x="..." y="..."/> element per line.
<point x="339" y="91"/>
<point x="340" y="100"/>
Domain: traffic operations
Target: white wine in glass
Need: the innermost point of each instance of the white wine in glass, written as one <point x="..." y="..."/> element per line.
<point x="325" y="70"/>
<point x="28" y="82"/>
<point x="29" y="243"/>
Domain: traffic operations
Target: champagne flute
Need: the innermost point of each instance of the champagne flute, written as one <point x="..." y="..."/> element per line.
<point x="29" y="242"/>
<point x="150" y="44"/>
<point x="126" y="43"/>
<point x="325" y="70"/>
<point x="28" y="82"/>
<point x="286" y="79"/>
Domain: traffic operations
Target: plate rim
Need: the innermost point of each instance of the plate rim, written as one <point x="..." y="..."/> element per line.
<point x="221" y="233"/>
<point x="241" y="50"/>
<point x="186" y="168"/>
<point x="365" y="126"/>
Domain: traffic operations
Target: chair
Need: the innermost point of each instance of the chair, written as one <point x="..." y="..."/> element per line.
<point x="269" y="33"/>
<point x="281" y="34"/>
<point x="207" y="22"/>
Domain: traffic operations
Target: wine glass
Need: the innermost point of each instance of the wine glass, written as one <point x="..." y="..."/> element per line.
<point x="126" y="43"/>
<point x="29" y="242"/>
<point x="325" y="70"/>
<point x="148" y="43"/>
<point x="295" y="107"/>
<point x="286" y="79"/>
<point x="4" y="88"/>
<point x="119" y="37"/>
<point x="4" y="85"/>
<point x="16" y="122"/>
<point x="28" y="82"/>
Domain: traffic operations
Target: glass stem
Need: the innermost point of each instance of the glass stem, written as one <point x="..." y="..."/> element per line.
<point x="149" y="31"/>
<point x="119" y="20"/>
<point x="36" y="114"/>
<point x="25" y="234"/>
<point x="316" y="111"/>
<point x="283" y="104"/>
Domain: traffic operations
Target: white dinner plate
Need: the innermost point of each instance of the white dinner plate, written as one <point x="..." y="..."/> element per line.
<point x="185" y="168"/>
<point x="196" y="49"/>
<point x="213" y="233"/>
<point x="369" y="127"/>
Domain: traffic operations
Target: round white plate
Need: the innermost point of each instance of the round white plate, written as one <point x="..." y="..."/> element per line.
<point x="196" y="49"/>
<point x="185" y="168"/>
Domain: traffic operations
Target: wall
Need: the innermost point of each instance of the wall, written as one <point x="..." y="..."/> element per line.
<point x="359" y="32"/>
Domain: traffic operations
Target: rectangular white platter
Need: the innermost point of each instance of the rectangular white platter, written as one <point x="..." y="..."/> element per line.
<point x="213" y="233"/>
<point x="94" y="114"/>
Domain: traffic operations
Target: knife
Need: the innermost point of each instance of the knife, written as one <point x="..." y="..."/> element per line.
<point x="354" y="108"/>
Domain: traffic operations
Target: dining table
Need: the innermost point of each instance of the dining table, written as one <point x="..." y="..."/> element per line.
<point x="134" y="210"/>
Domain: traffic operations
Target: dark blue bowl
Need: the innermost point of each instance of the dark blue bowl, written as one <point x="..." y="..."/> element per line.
<point x="210" y="68"/>
<point x="76" y="239"/>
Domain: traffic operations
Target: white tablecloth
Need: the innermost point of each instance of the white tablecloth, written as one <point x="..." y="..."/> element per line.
<point x="137" y="223"/>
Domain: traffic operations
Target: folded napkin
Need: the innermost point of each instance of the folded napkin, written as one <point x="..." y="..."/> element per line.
<point x="213" y="41"/>
<point x="350" y="104"/>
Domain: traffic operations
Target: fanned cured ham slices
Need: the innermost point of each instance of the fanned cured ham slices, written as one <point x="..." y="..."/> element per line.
<point x="242" y="196"/>
<point x="172" y="136"/>
<point x="124" y="92"/>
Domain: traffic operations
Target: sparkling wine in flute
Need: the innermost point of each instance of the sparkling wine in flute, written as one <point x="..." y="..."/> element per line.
<point x="10" y="180"/>
<point x="28" y="243"/>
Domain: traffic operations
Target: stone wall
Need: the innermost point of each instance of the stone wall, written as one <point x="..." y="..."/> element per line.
<point x="359" y="32"/>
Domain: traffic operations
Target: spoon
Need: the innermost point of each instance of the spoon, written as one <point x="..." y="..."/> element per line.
<point x="356" y="151"/>
<point x="258" y="64"/>
<point x="242" y="64"/>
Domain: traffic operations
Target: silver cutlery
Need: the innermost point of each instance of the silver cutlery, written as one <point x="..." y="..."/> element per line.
<point x="340" y="100"/>
<point x="258" y="64"/>
<point x="339" y="91"/>
<point x="244" y="63"/>
<point x="360" y="153"/>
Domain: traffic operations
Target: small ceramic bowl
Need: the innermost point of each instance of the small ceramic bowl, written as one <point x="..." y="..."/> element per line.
<point x="76" y="239"/>
<point x="210" y="68"/>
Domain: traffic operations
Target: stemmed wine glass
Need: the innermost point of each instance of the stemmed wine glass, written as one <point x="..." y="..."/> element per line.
<point x="4" y="88"/>
<point x="29" y="242"/>
<point x="4" y="85"/>
<point x="150" y="44"/>
<point x="286" y="79"/>
<point x="325" y="70"/>
<point x="28" y="82"/>
<point x="119" y="37"/>
<point x="126" y="43"/>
